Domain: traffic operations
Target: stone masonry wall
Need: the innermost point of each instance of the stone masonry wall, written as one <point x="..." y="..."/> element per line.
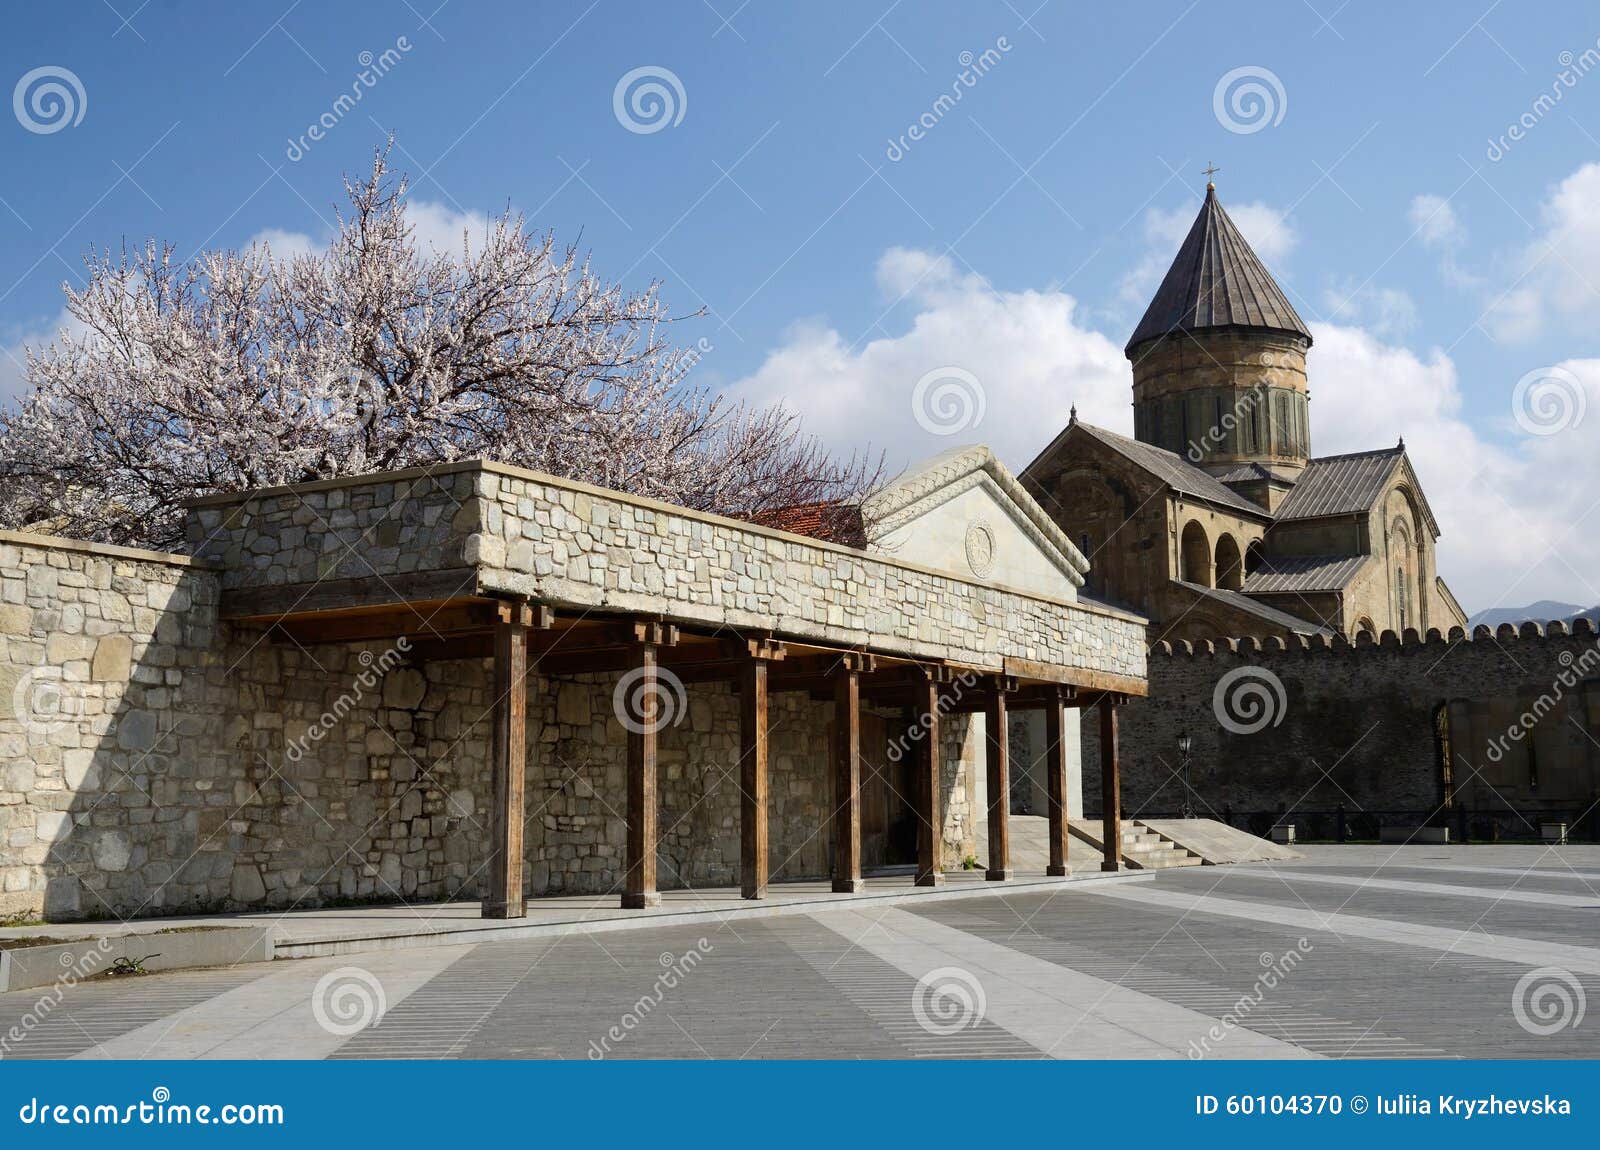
<point x="104" y="655"/>
<point x="573" y="545"/>
<point x="1360" y="725"/>
<point x="153" y="761"/>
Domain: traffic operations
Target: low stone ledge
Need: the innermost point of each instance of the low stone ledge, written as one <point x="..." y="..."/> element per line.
<point x="104" y="550"/>
<point x="80" y="959"/>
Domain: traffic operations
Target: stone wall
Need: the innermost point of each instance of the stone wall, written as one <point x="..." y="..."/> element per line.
<point x="153" y="761"/>
<point x="508" y="530"/>
<point x="106" y="723"/>
<point x="1186" y="386"/>
<point x="577" y="787"/>
<point x="1361" y="725"/>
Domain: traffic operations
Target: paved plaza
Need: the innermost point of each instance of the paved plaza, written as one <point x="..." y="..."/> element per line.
<point x="1355" y="952"/>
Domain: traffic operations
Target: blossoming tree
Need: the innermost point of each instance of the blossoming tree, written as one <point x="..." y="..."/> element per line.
<point x="241" y="369"/>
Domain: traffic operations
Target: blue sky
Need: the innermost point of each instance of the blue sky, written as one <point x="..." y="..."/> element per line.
<point x="1014" y="245"/>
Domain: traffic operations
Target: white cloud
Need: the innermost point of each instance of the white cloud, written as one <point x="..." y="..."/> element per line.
<point x="442" y="228"/>
<point x="285" y="245"/>
<point x="1554" y="279"/>
<point x="1504" y="503"/>
<point x="14" y="351"/>
<point x="1511" y="511"/>
<point x="1386" y="312"/>
<point x="437" y="226"/>
<point x="1031" y="356"/>
<point x="1435" y="221"/>
<point x="1268" y="231"/>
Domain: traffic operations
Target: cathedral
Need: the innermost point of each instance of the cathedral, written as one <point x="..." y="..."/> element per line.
<point x="1215" y="519"/>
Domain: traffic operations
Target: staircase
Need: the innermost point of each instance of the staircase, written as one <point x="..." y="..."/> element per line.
<point x="1142" y="848"/>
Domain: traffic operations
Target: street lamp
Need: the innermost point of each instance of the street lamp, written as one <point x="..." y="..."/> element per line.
<point x="1184" y="743"/>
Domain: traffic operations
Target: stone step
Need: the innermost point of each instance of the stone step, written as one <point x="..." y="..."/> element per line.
<point x="1162" y="859"/>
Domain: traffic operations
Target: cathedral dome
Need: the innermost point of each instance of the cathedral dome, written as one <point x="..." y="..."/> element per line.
<point x="1216" y="283"/>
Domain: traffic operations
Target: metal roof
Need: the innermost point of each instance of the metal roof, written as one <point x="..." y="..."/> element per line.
<point x="1303" y="573"/>
<point x="1245" y="473"/>
<point x="1259" y="610"/>
<point x="1216" y="281"/>
<point x="1341" y="484"/>
<point x="1176" y="472"/>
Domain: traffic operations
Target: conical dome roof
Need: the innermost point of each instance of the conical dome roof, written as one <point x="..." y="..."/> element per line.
<point x="1217" y="282"/>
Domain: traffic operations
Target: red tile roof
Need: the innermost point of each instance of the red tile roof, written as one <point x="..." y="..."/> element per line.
<point x="830" y="520"/>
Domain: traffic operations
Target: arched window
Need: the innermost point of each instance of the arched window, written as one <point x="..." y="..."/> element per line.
<point x="1400" y="596"/>
<point x="1196" y="555"/>
<point x="1254" y="557"/>
<point x="1230" y="566"/>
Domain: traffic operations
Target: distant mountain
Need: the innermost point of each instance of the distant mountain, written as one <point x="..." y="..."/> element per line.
<point x="1541" y="612"/>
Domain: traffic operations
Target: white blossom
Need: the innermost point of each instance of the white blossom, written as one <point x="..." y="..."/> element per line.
<point x="240" y="370"/>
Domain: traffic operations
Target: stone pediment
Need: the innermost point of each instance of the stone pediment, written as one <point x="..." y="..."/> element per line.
<point x="965" y="513"/>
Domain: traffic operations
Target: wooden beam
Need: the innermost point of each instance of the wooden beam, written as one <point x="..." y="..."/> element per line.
<point x="1128" y="686"/>
<point x="847" y="779"/>
<point x="997" y="760"/>
<point x="930" y="819"/>
<point x="503" y="896"/>
<point x="452" y="649"/>
<point x="411" y="620"/>
<point x="1110" y="786"/>
<point x="753" y="779"/>
<point x="273" y="604"/>
<point x="639" y="888"/>
<point x="1055" y="779"/>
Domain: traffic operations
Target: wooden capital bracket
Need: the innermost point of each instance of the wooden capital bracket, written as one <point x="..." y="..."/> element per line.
<point x="651" y="633"/>
<point x="863" y="662"/>
<point x="761" y="647"/>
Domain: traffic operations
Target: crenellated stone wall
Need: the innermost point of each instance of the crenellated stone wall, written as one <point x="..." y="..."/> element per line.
<point x="1367" y="725"/>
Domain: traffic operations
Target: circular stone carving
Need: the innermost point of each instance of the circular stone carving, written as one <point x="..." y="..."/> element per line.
<point x="980" y="548"/>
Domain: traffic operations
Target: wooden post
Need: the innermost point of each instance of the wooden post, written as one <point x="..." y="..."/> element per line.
<point x="930" y="818"/>
<point x="1110" y="786"/>
<point x="753" y="779"/>
<point x="847" y="778"/>
<point x="997" y="758"/>
<point x="1055" y="781"/>
<point x="639" y="889"/>
<point x="503" y="897"/>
